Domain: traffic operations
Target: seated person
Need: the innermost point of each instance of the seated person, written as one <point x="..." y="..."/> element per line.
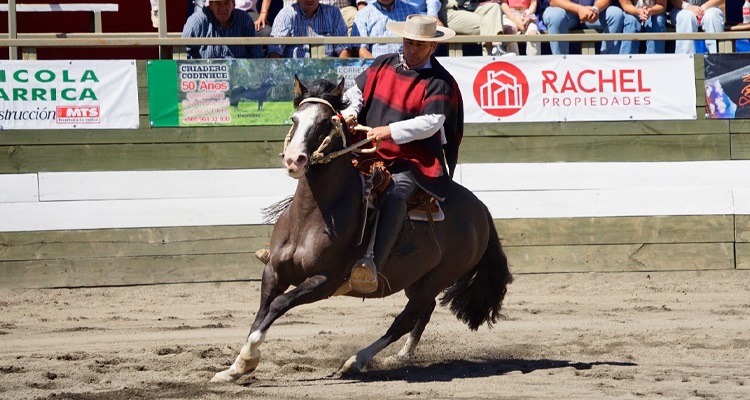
<point x="428" y="7"/>
<point x="308" y="18"/>
<point x="371" y="21"/>
<point x="643" y="16"/>
<point x="260" y="19"/>
<point x="348" y="8"/>
<point x="220" y="19"/>
<point x="155" y="13"/>
<point x="486" y="19"/>
<point x="520" y="17"/>
<point x="687" y="15"/>
<point x="563" y="15"/>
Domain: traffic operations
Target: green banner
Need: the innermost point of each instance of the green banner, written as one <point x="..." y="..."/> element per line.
<point x="235" y="92"/>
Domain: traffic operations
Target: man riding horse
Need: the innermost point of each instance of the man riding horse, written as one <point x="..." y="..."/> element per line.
<point x="415" y="108"/>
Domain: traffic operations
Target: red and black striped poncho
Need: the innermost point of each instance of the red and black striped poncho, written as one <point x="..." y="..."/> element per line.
<point x="392" y="93"/>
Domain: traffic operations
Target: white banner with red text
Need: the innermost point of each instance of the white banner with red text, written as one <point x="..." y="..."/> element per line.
<point x="74" y="94"/>
<point x="576" y="88"/>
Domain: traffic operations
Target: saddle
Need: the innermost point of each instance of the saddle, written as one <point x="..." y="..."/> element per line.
<point x="420" y="207"/>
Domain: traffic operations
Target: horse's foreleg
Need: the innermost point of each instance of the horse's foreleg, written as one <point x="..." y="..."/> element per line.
<point x="311" y="290"/>
<point x="413" y="319"/>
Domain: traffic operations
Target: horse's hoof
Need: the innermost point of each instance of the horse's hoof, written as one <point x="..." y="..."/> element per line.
<point x="225" y="376"/>
<point x="395" y="360"/>
<point x="352" y="366"/>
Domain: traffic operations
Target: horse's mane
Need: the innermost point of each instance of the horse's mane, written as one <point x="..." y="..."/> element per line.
<point x="272" y="212"/>
<point x="322" y="88"/>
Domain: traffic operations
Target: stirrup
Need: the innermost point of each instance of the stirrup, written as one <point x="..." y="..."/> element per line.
<point x="263" y="255"/>
<point x="364" y="276"/>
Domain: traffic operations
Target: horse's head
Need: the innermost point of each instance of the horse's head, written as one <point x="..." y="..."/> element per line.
<point x="269" y="82"/>
<point x="316" y="126"/>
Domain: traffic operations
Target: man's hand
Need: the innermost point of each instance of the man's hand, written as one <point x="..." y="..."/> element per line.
<point x="697" y="10"/>
<point x="379" y="133"/>
<point x="587" y="14"/>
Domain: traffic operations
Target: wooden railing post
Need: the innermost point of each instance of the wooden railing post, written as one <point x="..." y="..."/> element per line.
<point x="163" y="50"/>
<point x="12" y="29"/>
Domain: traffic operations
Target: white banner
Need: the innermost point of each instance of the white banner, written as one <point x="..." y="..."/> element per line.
<point x="78" y="94"/>
<point x="576" y="88"/>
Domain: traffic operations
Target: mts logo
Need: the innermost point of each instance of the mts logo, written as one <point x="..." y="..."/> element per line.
<point x="78" y="112"/>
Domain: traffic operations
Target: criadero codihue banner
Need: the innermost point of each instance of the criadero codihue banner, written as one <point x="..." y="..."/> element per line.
<point x="233" y="92"/>
<point x="78" y="94"/>
<point x="576" y="88"/>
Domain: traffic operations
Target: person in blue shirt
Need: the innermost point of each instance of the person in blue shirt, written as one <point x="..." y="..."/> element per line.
<point x="372" y="21"/>
<point x="563" y="15"/>
<point x="221" y="19"/>
<point x="308" y="18"/>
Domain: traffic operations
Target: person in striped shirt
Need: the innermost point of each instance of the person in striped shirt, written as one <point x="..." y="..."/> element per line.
<point x="220" y="19"/>
<point x="371" y="21"/>
<point x="308" y="18"/>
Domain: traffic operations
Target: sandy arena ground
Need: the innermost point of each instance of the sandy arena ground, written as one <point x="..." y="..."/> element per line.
<point x="678" y="335"/>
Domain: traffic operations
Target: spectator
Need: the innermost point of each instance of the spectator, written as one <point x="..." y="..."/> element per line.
<point x="643" y="16"/>
<point x="563" y="15"/>
<point x="194" y="6"/>
<point x="687" y="15"/>
<point x="372" y="21"/>
<point x="308" y="18"/>
<point x="521" y="18"/>
<point x="486" y="19"/>
<point x="220" y="19"/>
<point x="348" y="8"/>
<point x="260" y="19"/>
<point x="155" y="13"/>
<point x="428" y="7"/>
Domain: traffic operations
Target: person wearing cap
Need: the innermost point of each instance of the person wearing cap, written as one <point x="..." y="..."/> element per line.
<point x="414" y="107"/>
<point x="221" y="19"/>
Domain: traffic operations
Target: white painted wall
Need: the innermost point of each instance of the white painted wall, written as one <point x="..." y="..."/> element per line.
<point x="130" y="199"/>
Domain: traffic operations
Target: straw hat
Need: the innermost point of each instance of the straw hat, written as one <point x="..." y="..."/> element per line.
<point x="421" y="27"/>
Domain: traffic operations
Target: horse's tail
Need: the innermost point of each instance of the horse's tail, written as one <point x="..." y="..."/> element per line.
<point x="477" y="296"/>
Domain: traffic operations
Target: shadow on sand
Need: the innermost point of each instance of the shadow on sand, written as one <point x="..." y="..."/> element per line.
<point x="460" y="369"/>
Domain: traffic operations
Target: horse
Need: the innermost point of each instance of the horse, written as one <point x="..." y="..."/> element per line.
<point x="317" y="239"/>
<point x="258" y="94"/>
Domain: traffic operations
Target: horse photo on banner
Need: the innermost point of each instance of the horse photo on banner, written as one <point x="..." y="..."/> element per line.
<point x="727" y="85"/>
<point x="233" y="92"/>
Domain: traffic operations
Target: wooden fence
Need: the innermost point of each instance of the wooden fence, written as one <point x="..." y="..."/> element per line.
<point x="149" y="255"/>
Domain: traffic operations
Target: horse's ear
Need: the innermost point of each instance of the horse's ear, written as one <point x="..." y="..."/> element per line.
<point x="339" y="90"/>
<point x="299" y="88"/>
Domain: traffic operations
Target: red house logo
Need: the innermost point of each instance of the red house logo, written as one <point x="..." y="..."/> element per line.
<point x="501" y="89"/>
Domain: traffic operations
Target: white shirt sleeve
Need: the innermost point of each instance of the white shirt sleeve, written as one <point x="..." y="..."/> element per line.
<point x="356" y="102"/>
<point x="417" y="128"/>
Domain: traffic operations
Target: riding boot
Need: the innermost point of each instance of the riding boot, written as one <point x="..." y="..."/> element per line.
<point x="364" y="276"/>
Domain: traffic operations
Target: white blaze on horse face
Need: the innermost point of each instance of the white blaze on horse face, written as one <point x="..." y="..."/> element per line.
<point x="295" y="155"/>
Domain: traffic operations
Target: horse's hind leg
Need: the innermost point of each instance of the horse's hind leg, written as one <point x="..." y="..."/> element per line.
<point x="413" y="339"/>
<point x="412" y="319"/>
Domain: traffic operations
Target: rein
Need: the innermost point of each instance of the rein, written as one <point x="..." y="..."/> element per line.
<point x="318" y="156"/>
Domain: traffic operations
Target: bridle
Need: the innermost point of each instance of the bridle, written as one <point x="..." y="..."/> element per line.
<point x="318" y="156"/>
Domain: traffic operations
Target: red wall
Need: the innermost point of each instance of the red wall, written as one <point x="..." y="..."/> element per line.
<point x="133" y="16"/>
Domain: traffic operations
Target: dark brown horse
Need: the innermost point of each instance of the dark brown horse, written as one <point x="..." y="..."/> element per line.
<point x="315" y="243"/>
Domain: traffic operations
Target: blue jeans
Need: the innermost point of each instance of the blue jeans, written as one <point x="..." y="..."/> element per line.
<point x="560" y="21"/>
<point x="632" y="24"/>
<point x="686" y="22"/>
